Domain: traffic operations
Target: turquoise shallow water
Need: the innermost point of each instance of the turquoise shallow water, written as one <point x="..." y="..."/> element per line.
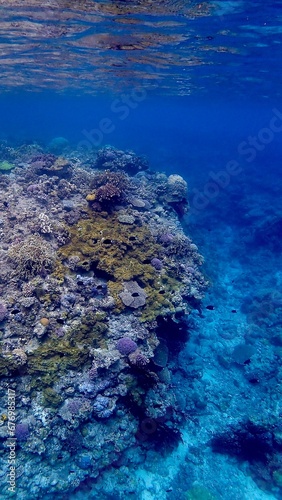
<point x="140" y="250"/>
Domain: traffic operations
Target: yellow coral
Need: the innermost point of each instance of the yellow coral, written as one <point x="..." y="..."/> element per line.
<point x="91" y="197"/>
<point x="121" y="253"/>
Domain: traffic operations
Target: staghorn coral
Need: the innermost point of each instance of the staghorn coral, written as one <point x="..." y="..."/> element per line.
<point x="31" y="256"/>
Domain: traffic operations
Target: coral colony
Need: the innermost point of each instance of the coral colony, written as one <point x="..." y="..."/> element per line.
<point x="95" y="269"/>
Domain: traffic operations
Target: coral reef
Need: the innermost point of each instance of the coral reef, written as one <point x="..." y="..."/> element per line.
<point x="114" y="159"/>
<point x="97" y="294"/>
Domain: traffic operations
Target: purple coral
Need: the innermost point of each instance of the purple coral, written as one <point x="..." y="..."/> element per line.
<point x="138" y="359"/>
<point x="22" y="432"/>
<point x="157" y="263"/>
<point x="93" y="372"/>
<point x="126" y="346"/>
<point x="74" y="405"/>
<point x="166" y="238"/>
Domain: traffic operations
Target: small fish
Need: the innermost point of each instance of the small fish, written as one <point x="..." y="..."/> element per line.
<point x="210" y="308"/>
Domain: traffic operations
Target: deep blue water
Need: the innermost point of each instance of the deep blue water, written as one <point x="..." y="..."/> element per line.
<point x="195" y="88"/>
<point x="174" y="132"/>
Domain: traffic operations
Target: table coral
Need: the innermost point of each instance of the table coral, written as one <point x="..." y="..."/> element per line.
<point x="133" y="295"/>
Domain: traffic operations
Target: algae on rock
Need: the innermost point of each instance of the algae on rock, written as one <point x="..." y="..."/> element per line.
<point x="120" y="254"/>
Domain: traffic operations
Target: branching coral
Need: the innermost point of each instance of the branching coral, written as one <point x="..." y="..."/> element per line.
<point x="108" y="194"/>
<point x="117" y="179"/>
<point x="31" y="256"/>
<point x="110" y="188"/>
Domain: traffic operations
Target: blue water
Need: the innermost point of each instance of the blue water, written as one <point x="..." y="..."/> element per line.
<point x="196" y="89"/>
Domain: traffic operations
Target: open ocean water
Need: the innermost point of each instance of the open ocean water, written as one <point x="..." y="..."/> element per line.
<point x="140" y="250"/>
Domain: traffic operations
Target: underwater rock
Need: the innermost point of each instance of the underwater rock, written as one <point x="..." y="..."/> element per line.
<point x="126" y="219"/>
<point x="103" y="407"/>
<point x="177" y="189"/>
<point x="18" y="357"/>
<point x="246" y="441"/>
<point x="243" y="353"/>
<point x="161" y="355"/>
<point x="165" y="376"/>
<point x="138" y="203"/>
